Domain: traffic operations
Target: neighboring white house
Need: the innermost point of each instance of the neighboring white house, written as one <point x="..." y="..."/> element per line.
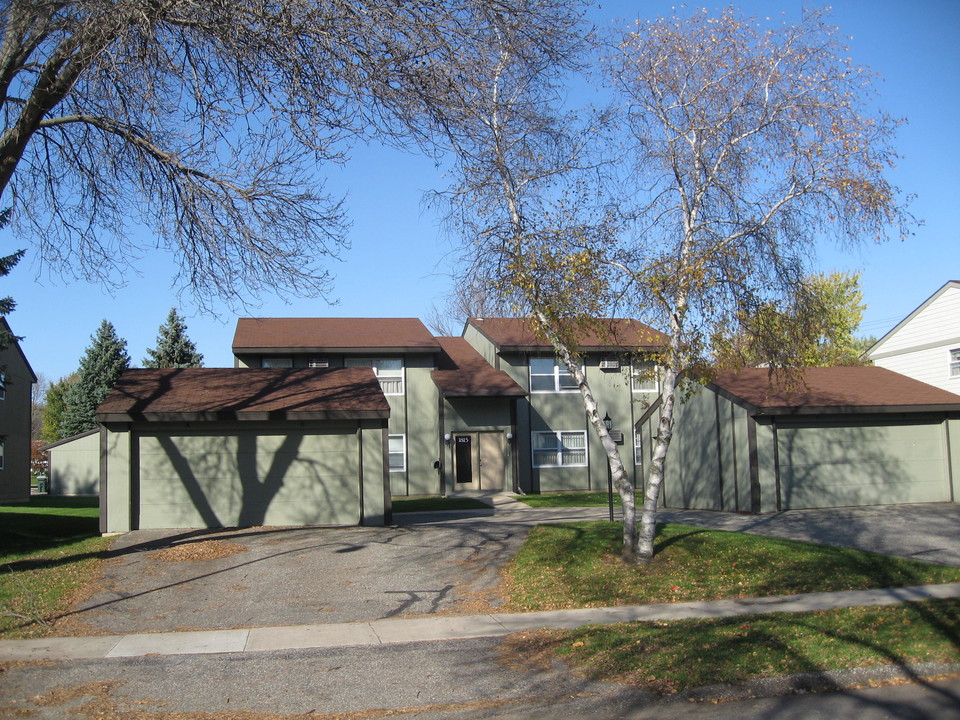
<point x="925" y="345"/>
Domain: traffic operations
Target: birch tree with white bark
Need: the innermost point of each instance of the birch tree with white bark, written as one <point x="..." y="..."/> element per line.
<point x="526" y="202"/>
<point x="749" y="143"/>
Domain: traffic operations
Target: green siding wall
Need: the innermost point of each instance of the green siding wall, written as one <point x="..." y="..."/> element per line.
<point x="421" y="424"/>
<point x="15" y="426"/>
<point x="75" y="466"/>
<point x="116" y="499"/>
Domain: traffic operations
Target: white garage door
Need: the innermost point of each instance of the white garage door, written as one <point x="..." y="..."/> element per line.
<point x="248" y="478"/>
<point x="836" y="466"/>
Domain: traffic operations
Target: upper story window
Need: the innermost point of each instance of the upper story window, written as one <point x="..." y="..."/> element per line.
<point x="547" y="376"/>
<point x="277" y="362"/>
<point x="3" y="386"/>
<point x="389" y="372"/>
<point x="645" y="378"/>
<point x="955" y="362"/>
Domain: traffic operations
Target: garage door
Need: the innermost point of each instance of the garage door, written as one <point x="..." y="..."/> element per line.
<point x="842" y="465"/>
<point x="248" y="478"/>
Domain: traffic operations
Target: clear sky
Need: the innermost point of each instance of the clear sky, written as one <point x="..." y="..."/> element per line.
<point x="398" y="267"/>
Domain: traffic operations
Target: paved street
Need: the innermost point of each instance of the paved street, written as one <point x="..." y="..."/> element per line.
<point x="460" y="680"/>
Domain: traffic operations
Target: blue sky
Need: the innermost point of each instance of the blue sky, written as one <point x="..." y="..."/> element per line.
<point x="398" y="266"/>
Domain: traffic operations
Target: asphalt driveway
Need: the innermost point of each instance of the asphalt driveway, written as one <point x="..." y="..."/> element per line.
<point x="160" y="581"/>
<point x="191" y="580"/>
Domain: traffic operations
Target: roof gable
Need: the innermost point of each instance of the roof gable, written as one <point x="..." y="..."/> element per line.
<point x="518" y="334"/>
<point x="15" y="349"/>
<point x="889" y="342"/>
<point x="333" y="334"/>
<point x="244" y="394"/>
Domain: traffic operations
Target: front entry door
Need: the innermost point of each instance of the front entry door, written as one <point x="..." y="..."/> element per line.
<point x="478" y="461"/>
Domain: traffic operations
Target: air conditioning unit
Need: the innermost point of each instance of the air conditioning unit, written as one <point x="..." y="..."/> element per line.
<point x="610" y="364"/>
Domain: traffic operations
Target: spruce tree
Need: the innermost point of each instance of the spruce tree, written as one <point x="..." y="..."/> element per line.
<point x="174" y="348"/>
<point x="100" y="367"/>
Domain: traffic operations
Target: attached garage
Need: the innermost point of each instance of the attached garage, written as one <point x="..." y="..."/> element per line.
<point x="831" y="464"/>
<point x="243" y="447"/>
<point x="831" y="437"/>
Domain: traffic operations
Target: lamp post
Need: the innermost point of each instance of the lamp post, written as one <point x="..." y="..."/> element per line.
<point x="608" y="424"/>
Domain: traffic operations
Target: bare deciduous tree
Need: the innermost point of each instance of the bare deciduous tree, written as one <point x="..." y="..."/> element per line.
<point x="749" y="145"/>
<point x="206" y="121"/>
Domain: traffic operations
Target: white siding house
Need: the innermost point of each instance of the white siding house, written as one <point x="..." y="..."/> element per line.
<point x="925" y="345"/>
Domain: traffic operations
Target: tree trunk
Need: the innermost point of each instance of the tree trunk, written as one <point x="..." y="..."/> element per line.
<point x="648" y="520"/>
<point x="624" y="487"/>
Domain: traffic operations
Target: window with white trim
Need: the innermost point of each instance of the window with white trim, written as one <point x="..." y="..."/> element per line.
<point x="397" y="452"/>
<point x="389" y="372"/>
<point x="276" y="362"/>
<point x="644" y="378"/>
<point x="563" y="448"/>
<point x="548" y="376"/>
<point x="955" y="362"/>
<point x="637" y="448"/>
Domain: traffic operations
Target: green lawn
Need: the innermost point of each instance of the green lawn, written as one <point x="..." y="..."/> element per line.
<point x="433" y="503"/>
<point x="670" y="657"/>
<point x="570" y="499"/>
<point x="577" y="565"/>
<point x="49" y="549"/>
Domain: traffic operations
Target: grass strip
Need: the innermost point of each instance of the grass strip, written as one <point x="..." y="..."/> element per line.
<point x="577" y="565"/>
<point x="49" y="549"/>
<point x="670" y="657"/>
<point x="434" y="503"/>
<point x="570" y="499"/>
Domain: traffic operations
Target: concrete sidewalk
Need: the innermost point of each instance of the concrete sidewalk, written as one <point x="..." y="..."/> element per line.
<point x="439" y="627"/>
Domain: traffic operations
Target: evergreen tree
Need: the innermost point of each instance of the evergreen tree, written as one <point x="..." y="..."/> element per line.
<point x="100" y="367"/>
<point x="174" y="348"/>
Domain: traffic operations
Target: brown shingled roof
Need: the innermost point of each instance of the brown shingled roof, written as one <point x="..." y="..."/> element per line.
<point x="462" y="372"/>
<point x="333" y="334"/>
<point x="518" y="334"/>
<point x="835" y="389"/>
<point x="244" y="394"/>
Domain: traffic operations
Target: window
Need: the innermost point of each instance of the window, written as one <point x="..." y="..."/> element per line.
<point x="637" y="448"/>
<point x="3" y="386"/>
<point x="954" y="363"/>
<point x="565" y="448"/>
<point x="397" y="451"/>
<point x="1" y="454"/>
<point x="644" y="378"/>
<point x="276" y="362"/>
<point x="547" y="376"/>
<point x="318" y="363"/>
<point x="389" y="372"/>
